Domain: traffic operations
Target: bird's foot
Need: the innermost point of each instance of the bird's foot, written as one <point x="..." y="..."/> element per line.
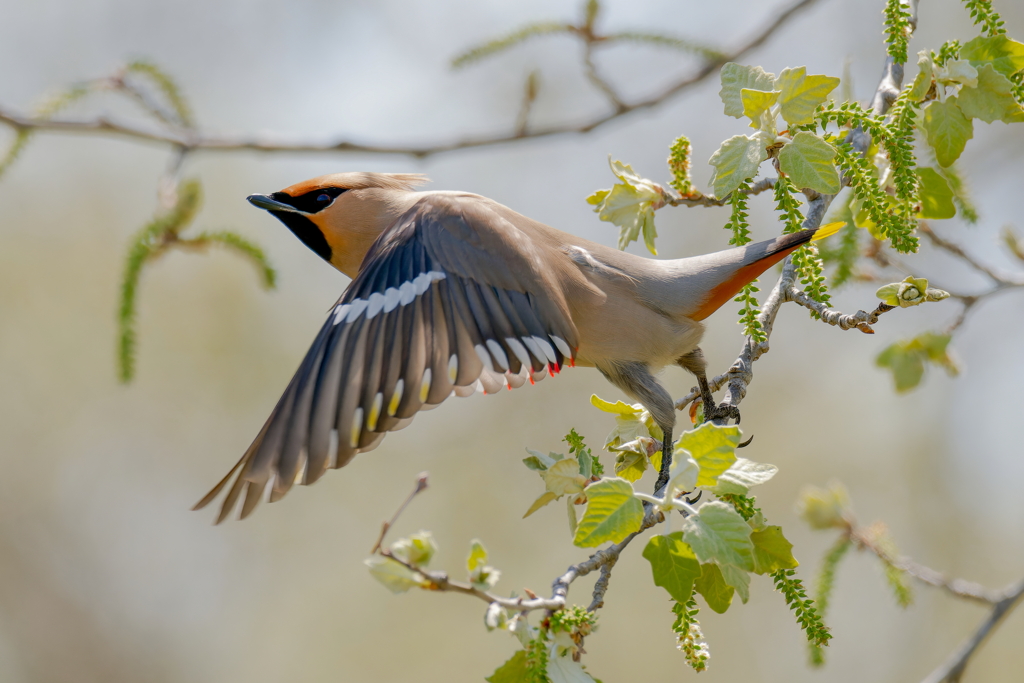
<point x="713" y="411"/>
<point x="722" y="411"/>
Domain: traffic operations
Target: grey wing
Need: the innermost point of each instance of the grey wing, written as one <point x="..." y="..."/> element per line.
<point x="443" y="304"/>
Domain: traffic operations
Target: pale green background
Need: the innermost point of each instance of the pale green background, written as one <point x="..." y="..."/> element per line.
<point x="106" y="576"/>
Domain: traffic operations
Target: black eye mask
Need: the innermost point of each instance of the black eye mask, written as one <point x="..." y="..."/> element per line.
<point x="311" y="202"/>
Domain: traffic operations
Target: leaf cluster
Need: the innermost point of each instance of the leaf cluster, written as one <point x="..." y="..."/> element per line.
<point x="897" y="29"/>
<point x="908" y="358"/>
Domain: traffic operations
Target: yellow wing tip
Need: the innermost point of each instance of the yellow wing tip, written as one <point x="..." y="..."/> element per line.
<point x="827" y="230"/>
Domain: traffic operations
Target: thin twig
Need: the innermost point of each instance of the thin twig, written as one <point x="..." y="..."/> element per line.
<point x="606" y="557"/>
<point x="421" y="483"/>
<point x="957" y="250"/>
<point x="967" y="590"/>
<point x="953" y="668"/>
<point x="861" y="320"/>
<point x="144" y="100"/>
<point x="673" y="198"/>
<point x="601" y="585"/>
<point x="1002" y="602"/>
<point x="595" y="78"/>
<point x="1004" y="281"/>
<point x="214" y="143"/>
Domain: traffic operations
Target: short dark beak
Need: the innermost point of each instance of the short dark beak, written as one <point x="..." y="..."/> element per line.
<point x="262" y="201"/>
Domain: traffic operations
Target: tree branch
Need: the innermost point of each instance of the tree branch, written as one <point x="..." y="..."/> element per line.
<point x="957" y="250"/>
<point x="953" y="668"/>
<point x="1002" y="601"/>
<point x="739" y="376"/>
<point x="603" y="559"/>
<point x="967" y="590"/>
<point x="196" y="141"/>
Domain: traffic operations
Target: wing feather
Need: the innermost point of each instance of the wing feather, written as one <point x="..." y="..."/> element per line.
<point x="451" y="299"/>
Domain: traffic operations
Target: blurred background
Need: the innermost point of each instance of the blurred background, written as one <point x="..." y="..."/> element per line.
<point x="105" y="574"/>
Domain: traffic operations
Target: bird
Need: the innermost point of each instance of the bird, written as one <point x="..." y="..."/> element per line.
<point x="452" y="293"/>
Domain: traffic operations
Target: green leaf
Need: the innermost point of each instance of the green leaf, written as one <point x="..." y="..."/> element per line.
<point x="737" y="578"/>
<point x="631" y="423"/>
<point x="630" y="462"/>
<point x="512" y="671"/>
<point x="541" y="501"/>
<point x="534" y="463"/>
<point x="801" y="95"/>
<point x="477" y="555"/>
<point x="617" y="408"/>
<point x="630" y="205"/>
<point x="737" y="160"/>
<point x="757" y="102"/>
<point x="935" y="194"/>
<point x="481" y="576"/>
<point x="713" y="447"/>
<point x="742" y="475"/>
<point x="1005" y="55"/>
<point x="683" y="476"/>
<point x="735" y="78"/>
<point x="913" y="291"/>
<point x="947" y="129"/>
<point x="935" y="347"/>
<point x="416" y="549"/>
<point x="906" y="365"/>
<point x="772" y="551"/>
<point x="586" y="461"/>
<point x="395" y="576"/>
<point x="673" y="564"/>
<point x="925" y="74"/>
<point x="564" y="670"/>
<point x="717" y="593"/>
<point x="906" y="359"/>
<point x="992" y="99"/>
<point x="564" y="477"/>
<point x="612" y="513"/>
<point x="808" y="163"/>
<point x="957" y="71"/>
<point x="719" y="534"/>
<point x="538" y="461"/>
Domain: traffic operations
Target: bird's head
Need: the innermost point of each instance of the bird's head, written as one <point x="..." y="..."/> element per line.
<point x="340" y="215"/>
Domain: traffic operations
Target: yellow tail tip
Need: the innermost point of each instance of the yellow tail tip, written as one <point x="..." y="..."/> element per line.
<point x="827" y="230"/>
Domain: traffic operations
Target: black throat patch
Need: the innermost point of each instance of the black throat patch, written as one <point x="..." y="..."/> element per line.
<point x="303" y="228"/>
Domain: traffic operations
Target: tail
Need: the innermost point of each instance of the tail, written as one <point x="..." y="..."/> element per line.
<point x="725" y="273"/>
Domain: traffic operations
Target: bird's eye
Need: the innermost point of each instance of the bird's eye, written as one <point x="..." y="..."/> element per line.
<point x="324" y="198"/>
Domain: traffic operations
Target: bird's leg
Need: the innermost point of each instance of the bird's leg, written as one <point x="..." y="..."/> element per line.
<point x="695" y="363"/>
<point x="713" y="411"/>
<point x="666" y="461"/>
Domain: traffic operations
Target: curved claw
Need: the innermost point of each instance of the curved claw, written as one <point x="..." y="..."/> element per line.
<point x="746" y="443"/>
<point x="722" y="411"/>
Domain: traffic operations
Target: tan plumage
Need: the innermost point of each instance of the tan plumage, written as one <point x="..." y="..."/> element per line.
<point x="454" y="293"/>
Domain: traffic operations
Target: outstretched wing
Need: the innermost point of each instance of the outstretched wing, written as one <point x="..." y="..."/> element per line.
<point x="452" y="298"/>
